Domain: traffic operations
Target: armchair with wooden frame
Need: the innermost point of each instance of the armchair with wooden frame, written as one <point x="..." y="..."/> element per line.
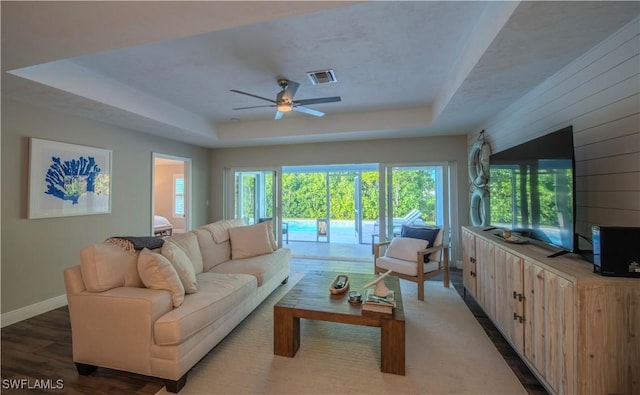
<point x="406" y="256"/>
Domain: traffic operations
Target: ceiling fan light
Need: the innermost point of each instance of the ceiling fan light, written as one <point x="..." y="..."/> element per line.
<point x="285" y="107"/>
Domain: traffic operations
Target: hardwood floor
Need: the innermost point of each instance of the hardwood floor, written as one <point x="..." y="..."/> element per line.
<point x="36" y="353"/>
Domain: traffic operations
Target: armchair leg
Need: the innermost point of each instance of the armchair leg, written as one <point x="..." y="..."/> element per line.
<point x="421" y="290"/>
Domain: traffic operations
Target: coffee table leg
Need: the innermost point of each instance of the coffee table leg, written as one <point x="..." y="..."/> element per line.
<point x="393" y="347"/>
<point x="286" y="332"/>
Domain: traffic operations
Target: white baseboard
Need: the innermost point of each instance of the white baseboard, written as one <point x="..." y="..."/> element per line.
<point x="33" y="310"/>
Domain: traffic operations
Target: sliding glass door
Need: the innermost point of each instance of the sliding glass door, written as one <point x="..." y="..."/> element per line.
<point x="414" y="195"/>
<point x="252" y="194"/>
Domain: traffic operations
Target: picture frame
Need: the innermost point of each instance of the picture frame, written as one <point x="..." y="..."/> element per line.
<point x="68" y="179"/>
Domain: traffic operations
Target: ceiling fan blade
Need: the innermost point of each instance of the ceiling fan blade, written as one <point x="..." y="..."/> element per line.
<point x="308" y="110"/>
<point x="247" y="108"/>
<point x="292" y="88"/>
<point x="279" y="115"/>
<point x="319" y="100"/>
<point x="252" y="95"/>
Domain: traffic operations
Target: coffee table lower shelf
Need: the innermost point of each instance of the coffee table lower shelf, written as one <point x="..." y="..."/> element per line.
<point x="310" y="299"/>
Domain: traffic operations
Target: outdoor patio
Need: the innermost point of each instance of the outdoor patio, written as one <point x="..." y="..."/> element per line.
<point x="342" y="242"/>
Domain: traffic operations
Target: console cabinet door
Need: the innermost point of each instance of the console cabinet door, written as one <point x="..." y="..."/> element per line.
<point x="510" y="297"/>
<point x="469" y="262"/>
<point x="560" y="336"/>
<point x="549" y="337"/>
<point x="535" y="315"/>
<point x="485" y="284"/>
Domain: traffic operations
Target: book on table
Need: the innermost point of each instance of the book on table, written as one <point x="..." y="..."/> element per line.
<point x="379" y="304"/>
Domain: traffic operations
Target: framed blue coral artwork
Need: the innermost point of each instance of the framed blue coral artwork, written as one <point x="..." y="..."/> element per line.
<point x="68" y="179"/>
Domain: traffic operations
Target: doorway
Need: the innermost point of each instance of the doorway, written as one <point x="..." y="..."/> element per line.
<point x="171" y="195"/>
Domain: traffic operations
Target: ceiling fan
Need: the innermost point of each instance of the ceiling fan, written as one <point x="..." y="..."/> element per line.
<point x="284" y="100"/>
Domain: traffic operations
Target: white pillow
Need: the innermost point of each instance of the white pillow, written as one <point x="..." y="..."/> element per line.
<point x="188" y="242"/>
<point x="182" y="264"/>
<point x="157" y="273"/>
<point x="105" y="266"/>
<point x="405" y="248"/>
<point x="272" y="239"/>
<point x="249" y="241"/>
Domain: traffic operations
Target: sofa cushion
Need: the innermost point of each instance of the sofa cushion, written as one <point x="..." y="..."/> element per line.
<point x="182" y="264"/>
<point x="105" y="266"/>
<point x="158" y="273"/>
<point x="212" y="253"/>
<point x="188" y="242"/>
<point x="405" y="248"/>
<point x="217" y="295"/>
<point x="263" y="267"/>
<point x="220" y="229"/>
<point x="249" y="241"/>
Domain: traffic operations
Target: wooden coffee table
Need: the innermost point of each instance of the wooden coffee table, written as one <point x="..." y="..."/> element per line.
<point x="310" y="298"/>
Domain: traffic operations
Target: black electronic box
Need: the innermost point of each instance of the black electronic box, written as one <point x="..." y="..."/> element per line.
<point x="616" y="250"/>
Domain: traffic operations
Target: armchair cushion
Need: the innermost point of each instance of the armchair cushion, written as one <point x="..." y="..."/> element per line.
<point x="405" y="248"/>
<point x="432" y="234"/>
<point x="401" y="266"/>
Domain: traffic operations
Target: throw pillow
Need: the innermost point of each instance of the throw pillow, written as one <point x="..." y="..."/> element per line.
<point x="188" y="242"/>
<point x="405" y="248"/>
<point x="249" y="241"/>
<point x="182" y="264"/>
<point x="157" y="273"/>
<point x="421" y="232"/>
<point x="272" y="239"/>
<point x="105" y="266"/>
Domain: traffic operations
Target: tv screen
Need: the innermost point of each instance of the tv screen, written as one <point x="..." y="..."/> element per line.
<point x="532" y="189"/>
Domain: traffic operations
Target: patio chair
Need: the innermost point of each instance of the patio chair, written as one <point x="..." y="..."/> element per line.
<point x="417" y="255"/>
<point x="411" y="217"/>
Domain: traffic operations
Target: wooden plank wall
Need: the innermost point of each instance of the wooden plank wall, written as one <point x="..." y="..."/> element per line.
<point x="599" y="94"/>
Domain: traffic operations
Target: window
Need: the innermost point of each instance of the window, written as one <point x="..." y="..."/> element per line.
<point x="178" y="196"/>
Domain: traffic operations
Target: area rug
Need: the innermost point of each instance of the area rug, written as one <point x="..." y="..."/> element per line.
<point x="447" y="352"/>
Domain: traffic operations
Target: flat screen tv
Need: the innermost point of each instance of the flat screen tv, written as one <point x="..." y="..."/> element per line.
<point x="532" y="190"/>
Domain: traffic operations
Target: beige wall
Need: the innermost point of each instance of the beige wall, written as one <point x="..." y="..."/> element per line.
<point x="35" y="252"/>
<point x="599" y="94"/>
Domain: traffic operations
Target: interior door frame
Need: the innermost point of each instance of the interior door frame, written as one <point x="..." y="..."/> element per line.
<point x="187" y="162"/>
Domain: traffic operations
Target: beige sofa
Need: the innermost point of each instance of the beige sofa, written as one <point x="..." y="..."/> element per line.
<point x="146" y="312"/>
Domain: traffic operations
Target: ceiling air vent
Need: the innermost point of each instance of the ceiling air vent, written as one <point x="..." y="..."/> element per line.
<point x="322" y="77"/>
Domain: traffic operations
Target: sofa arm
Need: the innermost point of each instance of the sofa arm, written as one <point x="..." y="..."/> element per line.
<point x="114" y="328"/>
